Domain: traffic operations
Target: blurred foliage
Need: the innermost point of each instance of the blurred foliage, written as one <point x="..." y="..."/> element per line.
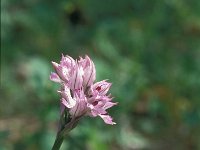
<point x="148" y="49"/>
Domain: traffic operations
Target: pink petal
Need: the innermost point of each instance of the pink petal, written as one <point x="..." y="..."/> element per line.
<point x="107" y="119"/>
<point x="67" y="100"/>
<point x="81" y="106"/>
<point x="95" y="110"/>
<point x="101" y="87"/>
<point x="67" y="61"/>
<point x="77" y="78"/>
<point x="108" y="105"/>
<point x="54" y="77"/>
<point x="67" y="103"/>
<point x="59" y="70"/>
<point x="55" y="65"/>
<point x="89" y="71"/>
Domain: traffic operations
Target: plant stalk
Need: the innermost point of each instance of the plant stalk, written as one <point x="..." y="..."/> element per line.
<point x="58" y="142"/>
<point x="63" y="132"/>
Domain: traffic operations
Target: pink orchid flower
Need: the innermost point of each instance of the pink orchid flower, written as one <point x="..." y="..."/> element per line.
<point x="80" y="95"/>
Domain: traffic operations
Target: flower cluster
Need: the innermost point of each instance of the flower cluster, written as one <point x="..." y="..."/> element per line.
<point x="80" y="95"/>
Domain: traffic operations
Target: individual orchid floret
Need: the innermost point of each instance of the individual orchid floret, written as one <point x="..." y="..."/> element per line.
<point x="101" y="88"/>
<point x="89" y="75"/>
<point x="76" y="79"/>
<point x="67" y="61"/>
<point x="67" y="99"/>
<point x="60" y="71"/>
<point x="99" y="102"/>
<point x="64" y="69"/>
<point x="80" y="107"/>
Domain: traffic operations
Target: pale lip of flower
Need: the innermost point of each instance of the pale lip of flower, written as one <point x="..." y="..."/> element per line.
<point x="67" y="100"/>
<point x="80" y="95"/>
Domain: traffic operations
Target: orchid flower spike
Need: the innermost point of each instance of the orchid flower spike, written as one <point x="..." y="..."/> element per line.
<point x="80" y="96"/>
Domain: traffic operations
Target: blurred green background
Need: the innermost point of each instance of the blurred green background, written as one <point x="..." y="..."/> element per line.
<point x="148" y="49"/>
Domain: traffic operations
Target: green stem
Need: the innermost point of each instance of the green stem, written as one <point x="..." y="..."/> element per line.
<point x="58" y="142"/>
<point x="63" y="132"/>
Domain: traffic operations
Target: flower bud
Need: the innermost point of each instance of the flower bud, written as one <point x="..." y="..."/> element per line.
<point x="61" y="72"/>
<point x="89" y="70"/>
<point x="67" y="62"/>
<point x="76" y="80"/>
<point x="101" y="87"/>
